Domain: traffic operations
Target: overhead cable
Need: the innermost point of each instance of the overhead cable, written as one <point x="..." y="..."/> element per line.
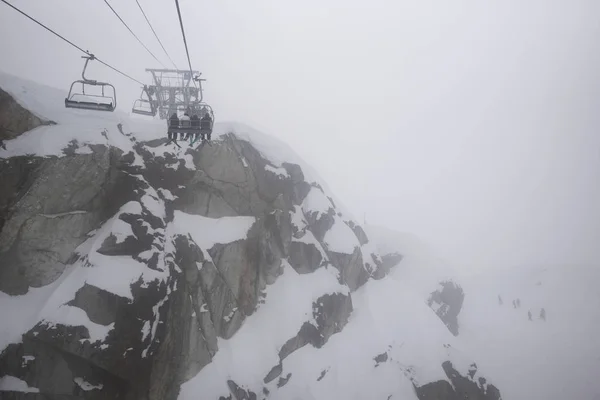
<point x="185" y="41"/>
<point x="155" y="34"/>
<point x="69" y="42"/>
<point x="134" y="35"/>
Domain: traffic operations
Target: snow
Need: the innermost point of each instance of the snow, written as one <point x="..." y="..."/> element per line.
<point x="316" y="202"/>
<point x="27" y="359"/>
<point x="309" y="238"/>
<point x="297" y="218"/>
<point x="167" y="195"/>
<point x="10" y="383"/>
<point x="155" y="322"/>
<point x="251" y="353"/>
<point x="189" y="162"/>
<point x="145" y="330"/>
<point x="86" y="385"/>
<point x="282" y="172"/>
<point x="207" y="232"/>
<point x="22" y="312"/>
<point x="566" y="345"/>
<point x="340" y="238"/>
<point x="500" y="338"/>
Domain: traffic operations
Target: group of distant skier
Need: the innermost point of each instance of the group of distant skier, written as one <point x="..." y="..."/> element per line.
<point x="190" y="128"/>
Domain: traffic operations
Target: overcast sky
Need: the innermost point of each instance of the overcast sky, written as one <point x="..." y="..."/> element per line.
<point x="473" y="124"/>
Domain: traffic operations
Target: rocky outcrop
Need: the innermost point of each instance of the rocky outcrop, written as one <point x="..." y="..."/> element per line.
<point x="14" y="119"/>
<point x="158" y="330"/>
<point x="459" y="388"/>
<point x="39" y="197"/>
<point x="388" y="261"/>
<point x="447" y="302"/>
<point x="331" y="313"/>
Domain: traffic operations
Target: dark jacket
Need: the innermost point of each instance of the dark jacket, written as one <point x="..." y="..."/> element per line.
<point x="174" y="121"/>
<point x="206" y="122"/>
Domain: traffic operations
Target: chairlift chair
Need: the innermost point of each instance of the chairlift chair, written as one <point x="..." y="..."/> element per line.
<point x="145" y="107"/>
<point x="184" y="129"/>
<point x="87" y="101"/>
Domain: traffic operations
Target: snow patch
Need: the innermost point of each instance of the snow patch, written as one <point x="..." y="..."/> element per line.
<point x="279" y="171"/>
<point x="207" y="232"/>
<point x="316" y="202"/>
<point x="14" y="384"/>
<point x="84" y="385"/>
<point x="341" y="238"/>
<point x="298" y="218"/>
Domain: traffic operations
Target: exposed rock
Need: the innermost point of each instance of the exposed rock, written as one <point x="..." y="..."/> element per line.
<point x="323" y="373"/>
<point x="359" y="232"/>
<point x="351" y="267"/>
<point x="274" y="373"/>
<point x="305" y="257"/>
<point x="162" y="325"/>
<point x="380" y="358"/>
<point x="460" y="388"/>
<point x="331" y="313"/>
<point x="238" y="393"/>
<point x="388" y="262"/>
<point x="283" y="381"/>
<point x="91" y="188"/>
<point x="14" y="119"/>
<point x="447" y="303"/>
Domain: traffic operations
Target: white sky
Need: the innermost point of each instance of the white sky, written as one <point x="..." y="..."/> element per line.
<point x="474" y="125"/>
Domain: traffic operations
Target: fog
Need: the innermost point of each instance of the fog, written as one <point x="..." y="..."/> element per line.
<point x="474" y="125"/>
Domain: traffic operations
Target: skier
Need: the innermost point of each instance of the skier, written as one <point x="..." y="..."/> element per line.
<point x="195" y="122"/>
<point x="173" y="126"/>
<point x="206" y="126"/>
<point x="185" y="120"/>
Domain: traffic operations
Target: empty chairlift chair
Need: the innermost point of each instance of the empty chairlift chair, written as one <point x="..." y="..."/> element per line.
<point x="90" y="101"/>
<point x="145" y="107"/>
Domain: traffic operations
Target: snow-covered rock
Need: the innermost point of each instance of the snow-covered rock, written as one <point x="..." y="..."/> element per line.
<point x="128" y="267"/>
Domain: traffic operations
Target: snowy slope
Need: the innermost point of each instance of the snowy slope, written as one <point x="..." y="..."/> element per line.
<point x="553" y="359"/>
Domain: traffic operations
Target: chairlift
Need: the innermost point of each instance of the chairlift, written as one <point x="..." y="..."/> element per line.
<point x="87" y="101"/>
<point x="145" y="107"/>
<point x="194" y="127"/>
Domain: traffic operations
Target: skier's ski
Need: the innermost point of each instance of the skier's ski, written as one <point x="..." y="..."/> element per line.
<point x="173" y="141"/>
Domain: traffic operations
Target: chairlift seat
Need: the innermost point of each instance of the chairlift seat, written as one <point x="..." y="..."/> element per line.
<point x="88" y="105"/>
<point x="143" y="112"/>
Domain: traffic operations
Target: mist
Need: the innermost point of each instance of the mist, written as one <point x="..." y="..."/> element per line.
<point x="473" y="126"/>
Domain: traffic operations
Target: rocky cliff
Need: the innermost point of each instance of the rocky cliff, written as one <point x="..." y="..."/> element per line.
<point x="136" y="271"/>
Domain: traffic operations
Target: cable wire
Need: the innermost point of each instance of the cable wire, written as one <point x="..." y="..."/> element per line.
<point x="185" y="41"/>
<point x="134" y="35"/>
<point x="155" y="34"/>
<point x="69" y="42"/>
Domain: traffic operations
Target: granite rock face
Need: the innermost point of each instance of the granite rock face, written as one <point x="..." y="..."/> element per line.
<point x="138" y="303"/>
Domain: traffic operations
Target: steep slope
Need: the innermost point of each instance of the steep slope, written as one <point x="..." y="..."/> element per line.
<point x="133" y="270"/>
<point x="536" y="330"/>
